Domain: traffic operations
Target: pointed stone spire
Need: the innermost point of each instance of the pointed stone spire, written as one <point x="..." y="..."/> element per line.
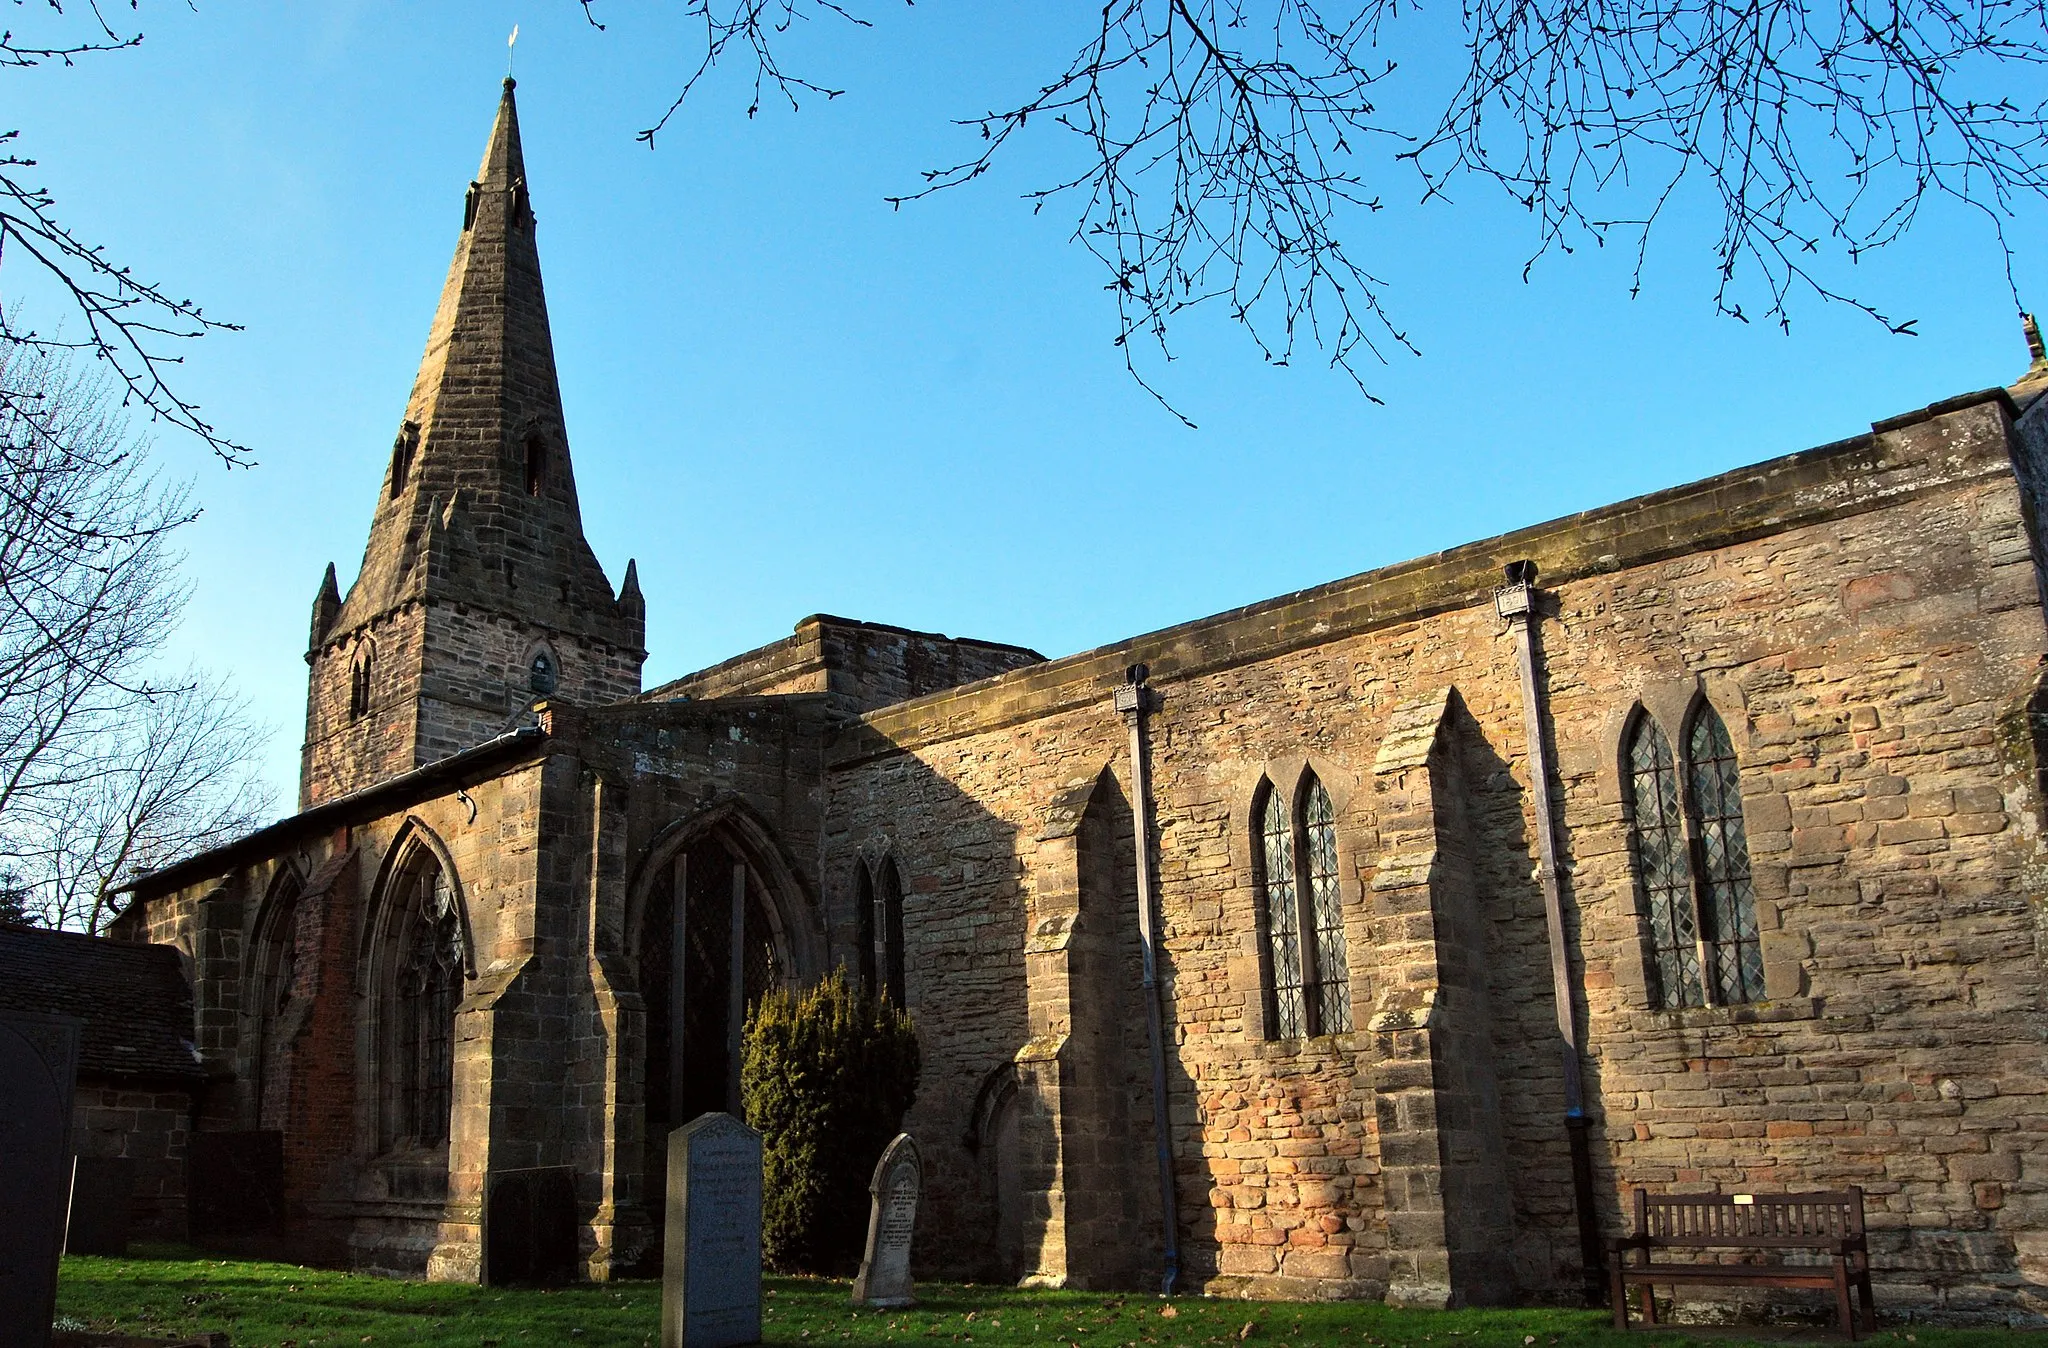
<point x="633" y="604"/>
<point x="326" y="605"/>
<point x="2036" y="378"/>
<point x="485" y="421"/>
<point x="477" y="526"/>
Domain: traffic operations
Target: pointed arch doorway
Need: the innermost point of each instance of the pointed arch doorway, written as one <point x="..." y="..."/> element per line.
<point x="712" y="944"/>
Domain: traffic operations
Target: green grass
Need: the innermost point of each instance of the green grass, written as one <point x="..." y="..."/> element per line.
<point x="169" y="1291"/>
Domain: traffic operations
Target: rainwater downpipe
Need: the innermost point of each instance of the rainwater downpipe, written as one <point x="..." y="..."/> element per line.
<point x="1516" y="601"/>
<point x="1132" y="700"/>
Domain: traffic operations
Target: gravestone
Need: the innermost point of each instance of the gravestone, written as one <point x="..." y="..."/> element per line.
<point x="529" y="1228"/>
<point x="102" y="1199"/>
<point x="711" y="1260"/>
<point x="38" y="1068"/>
<point x="234" y="1183"/>
<point x="884" y="1279"/>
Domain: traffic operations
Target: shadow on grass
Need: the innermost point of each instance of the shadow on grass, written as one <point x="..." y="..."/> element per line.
<point x="173" y="1290"/>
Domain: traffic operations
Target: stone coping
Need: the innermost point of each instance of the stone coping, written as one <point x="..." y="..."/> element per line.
<point x="1943" y="446"/>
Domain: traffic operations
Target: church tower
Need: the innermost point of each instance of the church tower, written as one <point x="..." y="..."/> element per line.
<point x="478" y="594"/>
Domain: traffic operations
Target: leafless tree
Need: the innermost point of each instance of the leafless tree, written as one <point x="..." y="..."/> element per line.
<point x="1225" y="148"/>
<point x="175" y="776"/>
<point x="105" y="311"/>
<point x="103" y="768"/>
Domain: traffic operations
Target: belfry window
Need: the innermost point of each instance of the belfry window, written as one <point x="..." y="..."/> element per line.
<point x="426" y="992"/>
<point x="1692" y="865"/>
<point x="1308" y="977"/>
<point x="359" y="687"/>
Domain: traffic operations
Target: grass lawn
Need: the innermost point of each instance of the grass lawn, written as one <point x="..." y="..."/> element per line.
<point x="163" y="1290"/>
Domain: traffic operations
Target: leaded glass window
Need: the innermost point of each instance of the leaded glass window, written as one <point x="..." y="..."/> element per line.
<point x="1692" y="865"/>
<point x="1663" y="878"/>
<point x="1332" y="994"/>
<point x="1727" y="903"/>
<point x="430" y="976"/>
<point x="1308" y="974"/>
<point x="1287" y="1016"/>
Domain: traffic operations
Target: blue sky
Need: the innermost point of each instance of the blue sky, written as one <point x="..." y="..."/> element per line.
<point x="786" y="398"/>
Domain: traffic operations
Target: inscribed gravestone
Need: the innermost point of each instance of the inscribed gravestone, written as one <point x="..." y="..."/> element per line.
<point x="884" y="1279"/>
<point x="102" y="1195"/>
<point x="711" y="1260"/>
<point x="236" y="1184"/>
<point x="529" y="1227"/>
<point x="38" y="1068"/>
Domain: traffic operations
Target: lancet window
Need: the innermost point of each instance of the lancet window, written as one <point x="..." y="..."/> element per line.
<point x="878" y="903"/>
<point x="1692" y="864"/>
<point x="359" y="686"/>
<point x="1308" y="983"/>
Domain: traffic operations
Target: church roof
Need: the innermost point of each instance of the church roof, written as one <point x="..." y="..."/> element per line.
<point x="133" y="999"/>
<point x="478" y="504"/>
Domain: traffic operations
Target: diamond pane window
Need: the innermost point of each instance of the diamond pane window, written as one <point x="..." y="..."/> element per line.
<point x="1301" y="905"/>
<point x="1663" y="878"/>
<point x="1332" y="992"/>
<point x="1286" y="1013"/>
<point x="1727" y="902"/>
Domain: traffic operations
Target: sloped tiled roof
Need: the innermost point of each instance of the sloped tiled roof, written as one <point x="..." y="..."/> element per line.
<point x="133" y="999"/>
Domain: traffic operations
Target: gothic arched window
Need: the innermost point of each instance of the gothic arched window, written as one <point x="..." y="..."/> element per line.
<point x="359" y="687"/>
<point x="1727" y="903"/>
<point x="540" y="675"/>
<point x="1308" y="977"/>
<point x="276" y="985"/>
<point x="426" y="989"/>
<point x="889" y="929"/>
<point x="1692" y="864"/>
<point x="864" y="927"/>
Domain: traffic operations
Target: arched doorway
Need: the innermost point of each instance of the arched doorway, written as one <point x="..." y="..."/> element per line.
<point x="704" y="960"/>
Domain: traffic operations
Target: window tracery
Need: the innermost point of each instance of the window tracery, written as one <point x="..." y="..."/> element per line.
<point x="426" y="991"/>
<point x="1692" y="864"/>
<point x="1301" y="902"/>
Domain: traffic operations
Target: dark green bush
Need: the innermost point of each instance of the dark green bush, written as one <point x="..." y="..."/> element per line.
<point x="827" y="1077"/>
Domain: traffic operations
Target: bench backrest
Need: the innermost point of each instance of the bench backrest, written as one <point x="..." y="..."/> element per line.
<point x="1781" y="1221"/>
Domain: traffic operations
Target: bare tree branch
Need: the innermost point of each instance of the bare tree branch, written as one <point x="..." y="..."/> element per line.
<point x="130" y="324"/>
<point x="1227" y="143"/>
<point x="102" y="767"/>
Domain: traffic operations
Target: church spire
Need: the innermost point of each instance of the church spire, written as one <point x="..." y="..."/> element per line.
<point x="477" y="515"/>
<point x="484" y="428"/>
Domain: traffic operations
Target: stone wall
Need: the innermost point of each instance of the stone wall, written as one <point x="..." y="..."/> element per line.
<point x="1864" y="617"/>
<point x="148" y="1125"/>
<point x="861" y="666"/>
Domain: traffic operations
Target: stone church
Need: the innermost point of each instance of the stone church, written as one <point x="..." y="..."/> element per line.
<point x="1372" y="941"/>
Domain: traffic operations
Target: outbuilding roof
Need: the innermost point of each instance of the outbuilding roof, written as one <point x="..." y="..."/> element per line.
<point x="133" y="999"/>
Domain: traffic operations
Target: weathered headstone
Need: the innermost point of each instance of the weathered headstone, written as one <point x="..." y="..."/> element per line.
<point x="38" y="1069"/>
<point x="102" y="1199"/>
<point x="235" y="1184"/>
<point x="711" y="1259"/>
<point x="529" y="1227"/>
<point x="898" y="1184"/>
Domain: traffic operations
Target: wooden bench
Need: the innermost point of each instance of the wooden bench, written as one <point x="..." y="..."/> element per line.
<point x="1829" y="1224"/>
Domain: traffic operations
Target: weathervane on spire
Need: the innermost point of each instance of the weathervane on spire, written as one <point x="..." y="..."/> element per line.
<point x="511" y="50"/>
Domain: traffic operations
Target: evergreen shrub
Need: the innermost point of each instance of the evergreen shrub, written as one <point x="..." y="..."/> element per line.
<point x="827" y="1075"/>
